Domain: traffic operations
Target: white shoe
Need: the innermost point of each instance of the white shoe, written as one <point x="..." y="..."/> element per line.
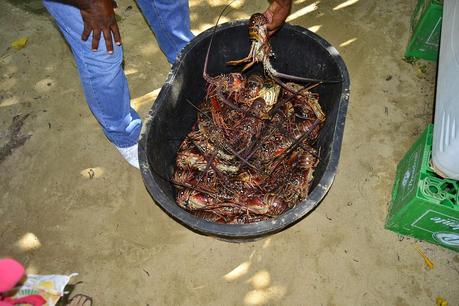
<point x="131" y="155"/>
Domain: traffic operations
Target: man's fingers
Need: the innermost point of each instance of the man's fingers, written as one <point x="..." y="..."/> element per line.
<point x="95" y="39"/>
<point x="276" y="14"/>
<point x="272" y="27"/>
<point x="86" y="32"/>
<point x="108" y="40"/>
<point x="116" y="33"/>
<point x="269" y="15"/>
<point x="99" y="17"/>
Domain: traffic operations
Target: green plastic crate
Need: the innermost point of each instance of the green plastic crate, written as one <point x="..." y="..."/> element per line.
<point x="424" y="205"/>
<point x="425" y="30"/>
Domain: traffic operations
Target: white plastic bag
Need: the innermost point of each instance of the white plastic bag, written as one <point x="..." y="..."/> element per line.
<point x="50" y="287"/>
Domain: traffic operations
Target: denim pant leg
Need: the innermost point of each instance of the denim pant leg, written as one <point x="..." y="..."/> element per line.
<point x="170" y="21"/>
<point x="104" y="83"/>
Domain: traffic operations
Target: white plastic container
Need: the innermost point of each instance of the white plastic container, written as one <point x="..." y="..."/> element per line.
<point x="445" y="150"/>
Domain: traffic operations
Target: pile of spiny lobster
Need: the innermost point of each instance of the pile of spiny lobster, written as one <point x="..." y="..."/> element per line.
<point x="249" y="156"/>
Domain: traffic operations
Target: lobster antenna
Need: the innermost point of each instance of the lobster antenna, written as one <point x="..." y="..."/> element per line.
<point x="204" y="73"/>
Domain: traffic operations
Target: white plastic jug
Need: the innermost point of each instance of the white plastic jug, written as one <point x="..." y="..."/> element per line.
<point x="445" y="150"/>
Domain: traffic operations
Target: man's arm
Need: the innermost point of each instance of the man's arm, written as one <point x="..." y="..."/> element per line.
<point x="276" y="13"/>
<point x="98" y="17"/>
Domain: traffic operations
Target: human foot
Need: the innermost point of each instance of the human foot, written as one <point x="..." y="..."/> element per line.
<point x="131" y="155"/>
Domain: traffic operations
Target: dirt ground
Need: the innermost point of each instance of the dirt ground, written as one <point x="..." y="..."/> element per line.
<point x="69" y="203"/>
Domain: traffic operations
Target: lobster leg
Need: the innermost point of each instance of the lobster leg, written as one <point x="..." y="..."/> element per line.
<point x="257" y="143"/>
<point x="317" y="112"/>
<point x="199" y="189"/>
<point x="249" y="65"/>
<point x="241" y="61"/>
<point x="292" y="90"/>
<point x="210" y="160"/>
<point x="246" y="59"/>
<point x="294" y="145"/>
<point x="225" y="101"/>
<point x="301" y="145"/>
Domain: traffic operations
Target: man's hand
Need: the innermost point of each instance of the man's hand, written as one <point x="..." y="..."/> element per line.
<point x="98" y="16"/>
<point x="276" y="13"/>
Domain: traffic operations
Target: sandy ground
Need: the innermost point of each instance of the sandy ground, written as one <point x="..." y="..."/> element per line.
<point x="56" y="219"/>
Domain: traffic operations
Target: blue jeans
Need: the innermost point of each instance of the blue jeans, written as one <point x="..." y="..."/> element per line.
<point x="103" y="79"/>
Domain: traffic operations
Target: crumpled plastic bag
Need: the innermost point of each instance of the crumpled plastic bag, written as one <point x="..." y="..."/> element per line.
<point x="50" y="287"/>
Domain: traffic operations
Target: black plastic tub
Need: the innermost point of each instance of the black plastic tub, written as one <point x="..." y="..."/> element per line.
<point x="298" y="52"/>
